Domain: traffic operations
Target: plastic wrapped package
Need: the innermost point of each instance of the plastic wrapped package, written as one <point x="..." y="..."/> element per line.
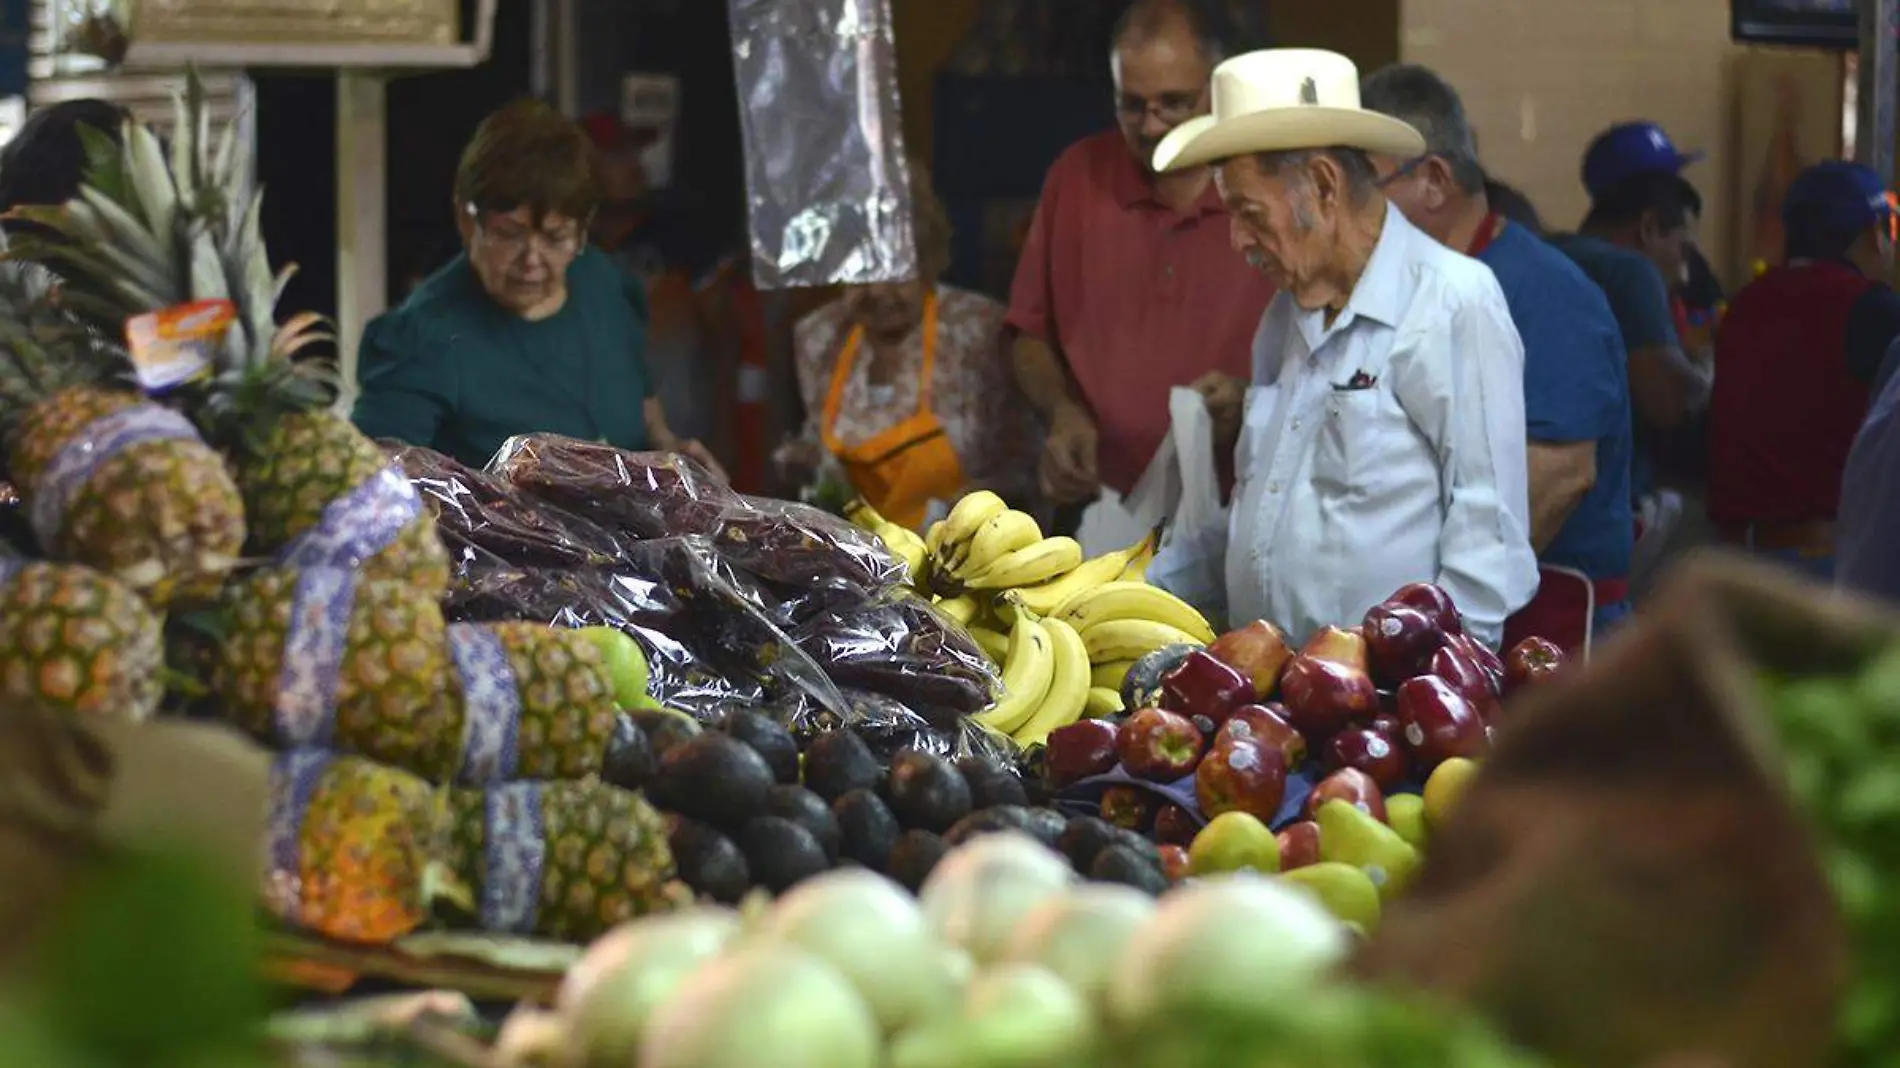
<point x="476" y="510"/>
<point x="904" y="649"/>
<point x="658" y="495"/>
<point x="887" y="725"/>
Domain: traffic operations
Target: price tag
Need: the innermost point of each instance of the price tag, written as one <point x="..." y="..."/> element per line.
<point x="172" y="346"/>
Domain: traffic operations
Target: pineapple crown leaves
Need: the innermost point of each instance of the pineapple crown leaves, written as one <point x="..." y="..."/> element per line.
<point x="44" y="348"/>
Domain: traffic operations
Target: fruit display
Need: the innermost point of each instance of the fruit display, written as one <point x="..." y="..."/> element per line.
<point x="74" y="640"/>
<point x="1003" y="960"/>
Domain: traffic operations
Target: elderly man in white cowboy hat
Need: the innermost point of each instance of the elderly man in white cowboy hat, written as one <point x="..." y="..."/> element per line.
<point x="1383" y="435"/>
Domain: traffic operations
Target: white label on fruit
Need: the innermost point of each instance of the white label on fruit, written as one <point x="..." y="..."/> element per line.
<point x="1378" y="748"/>
<point x="1242" y="759"/>
<point x="1376" y="873"/>
<point x="1414" y="734"/>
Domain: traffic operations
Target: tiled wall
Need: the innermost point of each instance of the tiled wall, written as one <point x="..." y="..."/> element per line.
<point x="1541" y="77"/>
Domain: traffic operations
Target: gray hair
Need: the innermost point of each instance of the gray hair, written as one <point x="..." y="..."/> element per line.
<point x="1361" y="176"/>
<point x="1419" y="96"/>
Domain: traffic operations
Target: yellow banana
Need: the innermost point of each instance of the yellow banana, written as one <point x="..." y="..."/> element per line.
<point x="933" y="538"/>
<point x="1101" y="702"/>
<point x="1001" y="535"/>
<point x="904" y="544"/>
<point x="994" y="643"/>
<point x="1038" y="563"/>
<point x="1068" y="686"/>
<point x="1140" y="555"/>
<point x="962" y="609"/>
<point x="1108" y="567"/>
<point x="1133" y="600"/>
<point x="860" y="512"/>
<point x="1131" y="639"/>
<point x="1111" y="675"/>
<point x="974" y="510"/>
<point x="1028" y="668"/>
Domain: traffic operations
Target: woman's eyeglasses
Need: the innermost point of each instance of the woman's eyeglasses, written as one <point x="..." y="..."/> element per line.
<point x="514" y="240"/>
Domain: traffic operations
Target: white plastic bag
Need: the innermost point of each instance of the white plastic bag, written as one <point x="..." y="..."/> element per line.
<point x="1183" y="487"/>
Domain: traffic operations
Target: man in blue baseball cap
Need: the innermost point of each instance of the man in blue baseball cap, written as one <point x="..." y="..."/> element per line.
<point x="1794" y="362"/>
<point x="1626" y="150"/>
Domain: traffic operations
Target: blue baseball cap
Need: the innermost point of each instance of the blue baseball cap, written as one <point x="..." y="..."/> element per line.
<point x="1629" y="149"/>
<point x="1838" y="195"/>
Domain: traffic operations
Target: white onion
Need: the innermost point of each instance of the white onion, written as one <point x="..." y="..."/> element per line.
<point x="768" y="1003"/>
<point x="1236" y="939"/>
<point x="1080" y="935"/>
<point x="977" y="894"/>
<point x="871" y="930"/>
<point x="608" y="996"/>
<point x="529" y="1038"/>
<point x="1014" y="1016"/>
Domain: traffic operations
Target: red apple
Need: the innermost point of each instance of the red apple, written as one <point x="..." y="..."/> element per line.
<point x="1267" y="725"/>
<point x="1484" y="657"/>
<point x="1078" y="751"/>
<point x="1299" y="845"/>
<point x="1531" y="661"/>
<point x="1205" y="690"/>
<point x="1370" y="752"/>
<point x="1440" y="723"/>
<point x="1174" y="825"/>
<point x="1432" y="600"/>
<point x="1129" y="806"/>
<point x="1241" y="776"/>
<point x="1337" y="645"/>
<point x="1158" y="746"/>
<point x="1456" y="667"/>
<point x="1401" y="640"/>
<point x="1174" y="862"/>
<point x="1322" y="698"/>
<point x="1349" y="785"/>
<point x="1259" y="651"/>
<point x="1388" y="724"/>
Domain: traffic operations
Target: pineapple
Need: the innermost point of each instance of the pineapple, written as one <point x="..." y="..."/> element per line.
<point x="356" y="850"/>
<point x="563" y="860"/>
<point x="156" y="510"/>
<point x="531" y="702"/>
<point x="148" y="232"/>
<point x="387" y="654"/>
<point x="72" y="639"/>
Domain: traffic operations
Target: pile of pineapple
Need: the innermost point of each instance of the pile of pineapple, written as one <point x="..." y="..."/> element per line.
<point x="238" y="541"/>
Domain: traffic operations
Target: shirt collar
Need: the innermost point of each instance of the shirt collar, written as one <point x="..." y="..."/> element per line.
<point x="1132" y="189"/>
<point x="1380" y="293"/>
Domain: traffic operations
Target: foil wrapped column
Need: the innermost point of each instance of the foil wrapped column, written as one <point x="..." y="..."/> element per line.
<point x="828" y="188"/>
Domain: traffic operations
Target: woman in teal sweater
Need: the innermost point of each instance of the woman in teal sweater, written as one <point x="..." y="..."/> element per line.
<point x="529" y="329"/>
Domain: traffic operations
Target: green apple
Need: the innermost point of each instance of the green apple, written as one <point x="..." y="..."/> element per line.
<point x="1234" y="841"/>
<point x="626" y="665"/>
<point x="1445" y="787"/>
<point x="1350" y="836"/>
<point x="1346" y="892"/>
<point x="1405" y="813"/>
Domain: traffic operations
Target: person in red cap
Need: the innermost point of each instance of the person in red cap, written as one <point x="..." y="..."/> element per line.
<point x="1797" y="354"/>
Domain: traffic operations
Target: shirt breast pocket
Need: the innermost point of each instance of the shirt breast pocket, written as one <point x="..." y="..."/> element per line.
<point x="1348" y="444"/>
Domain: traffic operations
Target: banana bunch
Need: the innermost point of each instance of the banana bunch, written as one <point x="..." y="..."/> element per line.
<point x="904" y="543"/>
<point x="985" y="545"/>
<point x="1045" y="681"/>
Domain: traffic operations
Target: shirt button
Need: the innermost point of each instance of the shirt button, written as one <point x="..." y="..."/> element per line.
<point x="1167" y="270"/>
<point x="1296" y="424"/>
<point x="1273" y="487"/>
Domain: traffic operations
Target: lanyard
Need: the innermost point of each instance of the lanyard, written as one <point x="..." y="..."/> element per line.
<point x="1487" y="232"/>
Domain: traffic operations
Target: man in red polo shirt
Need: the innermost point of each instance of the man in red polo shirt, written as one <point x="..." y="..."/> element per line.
<point x="1127" y="284"/>
<point x="1793" y="365"/>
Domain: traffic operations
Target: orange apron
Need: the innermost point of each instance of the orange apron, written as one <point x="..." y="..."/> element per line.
<point x="903" y="469"/>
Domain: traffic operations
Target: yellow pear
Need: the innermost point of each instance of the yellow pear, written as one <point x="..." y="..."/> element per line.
<point x="1234" y="841"/>
<point x="1350" y="836"/>
<point x="1345" y="891"/>
<point x="1445" y="786"/>
<point x="1405" y="813"/>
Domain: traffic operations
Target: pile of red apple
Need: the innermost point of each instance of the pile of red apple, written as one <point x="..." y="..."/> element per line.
<point x="1365" y="710"/>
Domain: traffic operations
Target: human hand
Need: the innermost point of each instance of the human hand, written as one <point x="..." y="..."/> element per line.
<point x="1068" y="456"/>
<point x="693" y="448"/>
<point x="1226" y="399"/>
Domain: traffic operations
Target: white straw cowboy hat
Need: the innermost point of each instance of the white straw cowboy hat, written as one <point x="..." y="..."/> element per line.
<point x="1284" y="99"/>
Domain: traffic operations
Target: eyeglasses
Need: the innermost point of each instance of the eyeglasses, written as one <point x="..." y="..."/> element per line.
<point x="1405" y="170"/>
<point x="1171" y="108"/>
<point x="515" y="240"/>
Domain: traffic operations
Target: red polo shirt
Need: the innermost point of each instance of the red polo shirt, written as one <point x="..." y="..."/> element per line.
<point x="1784" y="408"/>
<point x="1136" y="297"/>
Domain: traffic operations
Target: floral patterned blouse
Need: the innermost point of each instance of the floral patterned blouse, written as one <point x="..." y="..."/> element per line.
<point x="997" y="437"/>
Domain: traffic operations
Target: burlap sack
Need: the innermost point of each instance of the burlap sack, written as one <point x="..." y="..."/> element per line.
<point x="1626" y="881"/>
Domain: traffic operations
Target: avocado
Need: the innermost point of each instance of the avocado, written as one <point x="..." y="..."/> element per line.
<point x="809" y="811"/>
<point x="838" y="762"/>
<point x="1045" y="825"/>
<point x="630" y="763"/>
<point x="926" y="791"/>
<point x="714" y="778"/>
<point x="1121" y="864"/>
<point x="866" y="827"/>
<point x="1136" y="842"/>
<point x="991" y="784"/>
<point x="1084" y="838"/>
<point x="781" y="853"/>
<point x="768" y="739"/>
<point x="666" y="729"/>
<point x="987" y="821"/>
<point x="914" y="857"/>
<point x="709" y="862"/>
